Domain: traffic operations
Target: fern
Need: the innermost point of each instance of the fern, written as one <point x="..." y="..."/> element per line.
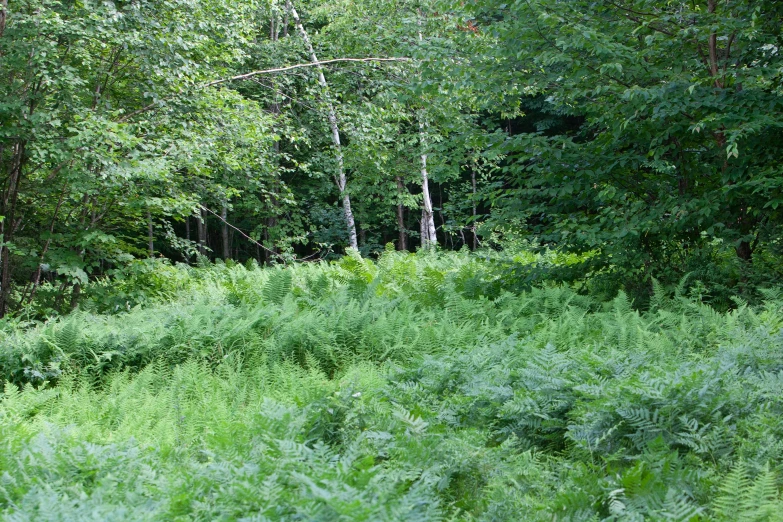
<point x="417" y="387"/>
<point x="278" y="286"/>
<point x="743" y="498"/>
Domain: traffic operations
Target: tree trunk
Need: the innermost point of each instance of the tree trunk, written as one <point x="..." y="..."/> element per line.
<point x="340" y="179"/>
<point x="224" y="232"/>
<point x="272" y="201"/>
<point x="403" y="241"/>
<point x="428" y="237"/>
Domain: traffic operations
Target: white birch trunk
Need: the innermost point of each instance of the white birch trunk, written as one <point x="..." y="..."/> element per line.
<point x="340" y="179"/>
<point x="428" y="237"/>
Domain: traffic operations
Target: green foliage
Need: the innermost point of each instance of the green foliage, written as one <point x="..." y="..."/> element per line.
<point x="391" y="391"/>
<point x="605" y="146"/>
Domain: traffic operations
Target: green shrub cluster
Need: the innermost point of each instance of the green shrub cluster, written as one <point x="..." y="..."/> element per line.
<point x="413" y="388"/>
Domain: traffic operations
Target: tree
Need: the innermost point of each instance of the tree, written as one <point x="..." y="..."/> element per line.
<point x="675" y="124"/>
<point x="95" y="140"/>
<point x="340" y="179"/>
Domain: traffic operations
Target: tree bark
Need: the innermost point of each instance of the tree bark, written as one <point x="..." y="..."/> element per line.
<point x="428" y="237"/>
<point x="341" y="179"/>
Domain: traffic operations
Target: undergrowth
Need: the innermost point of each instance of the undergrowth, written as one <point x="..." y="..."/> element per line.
<point x="412" y="388"/>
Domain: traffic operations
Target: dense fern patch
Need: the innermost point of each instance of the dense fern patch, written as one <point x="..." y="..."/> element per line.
<point x="414" y="388"/>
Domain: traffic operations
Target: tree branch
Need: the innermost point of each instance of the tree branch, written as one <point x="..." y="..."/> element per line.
<point x="249" y="75"/>
<point x="300" y="65"/>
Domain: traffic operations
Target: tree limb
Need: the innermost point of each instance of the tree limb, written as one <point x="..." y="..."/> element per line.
<point x="249" y="75"/>
<point x="300" y="65"/>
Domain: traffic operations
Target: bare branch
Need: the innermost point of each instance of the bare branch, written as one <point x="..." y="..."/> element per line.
<point x="249" y="75"/>
<point x="300" y="65"/>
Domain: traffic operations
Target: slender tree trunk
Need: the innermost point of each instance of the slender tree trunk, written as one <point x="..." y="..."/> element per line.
<point x="340" y="179"/>
<point x="272" y="200"/>
<point x="428" y="237"/>
<point x="403" y="241"/>
<point x="150" y="236"/>
<point x="224" y="232"/>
